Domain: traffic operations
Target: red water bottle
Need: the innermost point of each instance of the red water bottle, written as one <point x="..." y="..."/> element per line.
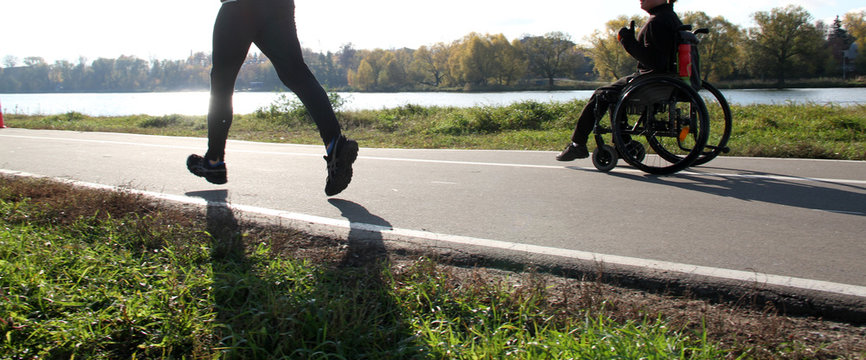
<point x="1" y="117"/>
<point x="684" y="60"/>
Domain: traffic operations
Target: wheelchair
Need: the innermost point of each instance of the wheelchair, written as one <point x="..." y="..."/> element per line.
<point x="661" y="123"/>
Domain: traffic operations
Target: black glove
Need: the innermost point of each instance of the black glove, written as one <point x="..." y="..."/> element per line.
<point x="626" y="34"/>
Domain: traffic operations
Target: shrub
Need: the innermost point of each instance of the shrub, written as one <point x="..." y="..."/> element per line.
<point x="527" y="115"/>
<point x="161" y="121"/>
<point x="67" y="117"/>
<point x="391" y="120"/>
<point x="288" y="110"/>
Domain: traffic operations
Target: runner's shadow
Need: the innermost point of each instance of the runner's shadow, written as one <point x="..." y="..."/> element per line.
<point x="363" y="272"/>
<point x="236" y="287"/>
<point x="366" y="246"/>
<point x="339" y="308"/>
<point x="223" y="227"/>
<point x="766" y="187"/>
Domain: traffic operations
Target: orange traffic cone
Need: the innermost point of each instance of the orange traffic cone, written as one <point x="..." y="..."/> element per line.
<point x="1" y="117"/>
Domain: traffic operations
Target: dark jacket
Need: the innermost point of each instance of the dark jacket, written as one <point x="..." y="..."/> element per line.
<point x="656" y="43"/>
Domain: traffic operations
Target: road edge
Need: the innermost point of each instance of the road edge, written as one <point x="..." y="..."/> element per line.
<point x="787" y="295"/>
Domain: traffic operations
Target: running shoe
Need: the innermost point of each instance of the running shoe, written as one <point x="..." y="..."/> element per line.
<point x="340" y="161"/>
<point x="199" y="166"/>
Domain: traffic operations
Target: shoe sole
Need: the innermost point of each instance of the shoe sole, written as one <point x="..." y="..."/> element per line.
<point x="217" y="177"/>
<point x="344" y="177"/>
<point x="571" y="158"/>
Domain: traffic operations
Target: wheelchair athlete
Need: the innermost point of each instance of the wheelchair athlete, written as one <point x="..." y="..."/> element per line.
<point x="653" y="49"/>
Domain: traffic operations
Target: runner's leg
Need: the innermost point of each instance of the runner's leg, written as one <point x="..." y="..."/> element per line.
<point x="278" y="40"/>
<point x="232" y="36"/>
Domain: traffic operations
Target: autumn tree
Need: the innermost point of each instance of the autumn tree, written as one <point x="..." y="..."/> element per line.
<point x="855" y="24"/>
<point x="364" y="78"/>
<point x="783" y="42"/>
<point x="392" y="76"/>
<point x="75" y="77"/>
<point x="381" y="70"/>
<point x="395" y="71"/>
<point x="10" y="61"/>
<point x="611" y="60"/>
<point x="472" y="60"/>
<point x="552" y="55"/>
<point x="130" y="73"/>
<point x="718" y="49"/>
<point x="509" y="60"/>
<point x="430" y="64"/>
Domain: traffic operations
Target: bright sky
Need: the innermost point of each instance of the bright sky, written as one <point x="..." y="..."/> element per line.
<point x="171" y="29"/>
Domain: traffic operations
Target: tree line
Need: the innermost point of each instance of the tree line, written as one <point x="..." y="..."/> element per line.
<point x="785" y="43"/>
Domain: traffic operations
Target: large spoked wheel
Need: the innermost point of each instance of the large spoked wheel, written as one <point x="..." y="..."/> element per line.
<point x="667" y="115"/>
<point x="720" y="124"/>
<point x="604" y="158"/>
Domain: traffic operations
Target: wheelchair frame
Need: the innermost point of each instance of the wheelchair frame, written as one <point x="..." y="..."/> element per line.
<point x="667" y="115"/>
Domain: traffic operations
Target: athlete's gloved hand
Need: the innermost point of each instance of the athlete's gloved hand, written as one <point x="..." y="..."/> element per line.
<point x="626" y="34"/>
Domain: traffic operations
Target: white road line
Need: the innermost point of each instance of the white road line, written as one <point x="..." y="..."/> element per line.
<point x="665" y="266"/>
<point x="469" y="163"/>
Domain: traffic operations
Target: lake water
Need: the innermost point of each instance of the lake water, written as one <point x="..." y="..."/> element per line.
<point x="196" y="103"/>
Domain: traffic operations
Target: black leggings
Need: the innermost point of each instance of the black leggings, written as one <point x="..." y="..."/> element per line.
<point x="270" y="24"/>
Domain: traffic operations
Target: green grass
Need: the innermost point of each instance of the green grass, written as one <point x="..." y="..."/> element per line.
<point x="90" y="274"/>
<point x="107" y="275"/>
<point x="787" y="131"/>
<point x="805" y="131"/>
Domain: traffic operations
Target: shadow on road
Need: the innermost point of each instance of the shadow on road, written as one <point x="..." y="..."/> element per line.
<point x="766" y="187"/>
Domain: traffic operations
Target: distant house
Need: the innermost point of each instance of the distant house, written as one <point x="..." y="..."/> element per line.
<point x="848" y="57"/>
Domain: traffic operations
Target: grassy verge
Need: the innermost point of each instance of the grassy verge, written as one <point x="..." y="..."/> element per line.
<point x="98" y="274"/>
<point x="793" y="130"/>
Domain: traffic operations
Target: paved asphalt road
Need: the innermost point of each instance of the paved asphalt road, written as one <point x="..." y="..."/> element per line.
<point x="804" y="219"/>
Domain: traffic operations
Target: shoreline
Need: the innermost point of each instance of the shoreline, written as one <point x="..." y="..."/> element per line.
<point x="584" y="86"/>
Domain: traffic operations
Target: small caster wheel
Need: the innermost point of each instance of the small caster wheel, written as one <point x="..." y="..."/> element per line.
<point x="604" y="158"/>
